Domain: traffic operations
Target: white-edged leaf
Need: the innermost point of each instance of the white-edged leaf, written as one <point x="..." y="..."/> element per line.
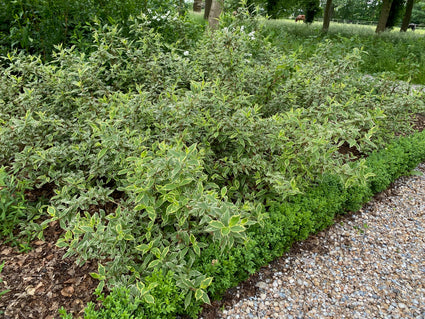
<point x="234" y="220"/>
<point x="216" y="224"/>
<point x="102" y="153"/>
<point x="149" y="298"/>
<point x="206" y="282"/>
<point x="237" y="229"/>
<point x="154" y="263"/>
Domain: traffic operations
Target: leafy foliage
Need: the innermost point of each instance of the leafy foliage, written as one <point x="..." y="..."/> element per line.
<point x="38" y="26"/>
<point x="183" y="168"/>
<point x="16" y="214"/>
<point x="400" y="55"/>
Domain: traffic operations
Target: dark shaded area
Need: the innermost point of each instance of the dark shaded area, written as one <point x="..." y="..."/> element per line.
<point x="346" y="149"/>
<point x="418" y="121"/>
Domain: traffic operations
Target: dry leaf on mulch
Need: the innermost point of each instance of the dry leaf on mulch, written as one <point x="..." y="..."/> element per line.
<point x="41" y="281"/>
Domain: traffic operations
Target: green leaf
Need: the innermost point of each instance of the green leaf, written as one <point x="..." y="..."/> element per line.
<point x="95" y="275"/>
<point x="102" y="153"/>
<point x="165" y="252"/>
<point x="51" y="211"/>
<point x="223" y="191"/>
<point x="202" y="295"/>
<point x="149" y="298"/>
<point x="129" y="237"/>
<point x="186" y="283"/>
<point x="152" y="286"/>
<point x="156" y="252"/>
<point x="234" y="220"/>
<point x="143" y="248"/>
<point x="123" y="171"/>
<point x="191" y="149"/>
<point x="206" y="282"/>
<point x="101" y="270"/>
<point x="216" y="224"/>
<point x="100" y="286"/>
<point x="192" y="239"/>
<point x="61" y="243"/>
<point x="140" y="286"/>
<point x="185" y="181"/>
<point x="237" y="229"/>
<point x="154" y="263"/>
<point x="68" y="235"/>
<point x="168" y="187"/>
<point x="172" y="208"/>
<point x="205" y="298"/>
<point x="86" y="229"/>
<point x="139" y="207"/>
<point x="258" y="208"/>
<point x="225" y="231"/>
<point x="188" y="299"/>
<point x="151" y="213"/>
<point x="196" y="249"/>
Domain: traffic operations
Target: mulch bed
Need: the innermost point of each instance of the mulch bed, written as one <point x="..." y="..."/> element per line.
<point x="41" y="281"/>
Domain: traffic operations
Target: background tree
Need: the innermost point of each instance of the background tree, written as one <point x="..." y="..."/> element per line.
<point x="207" y="9"/>
<point x="418" y="12"/>
<point x="366" y="10"/>
<point x="272" y="7"/>
<point x="312" y="8"/>
<point x="407" y="15"/>
<point x="385" y="12"/>
<point x="396" y="13"/>
<point x="197" y="5"/>
<point x="327" y="16"/>
<point x="215" y="11"/>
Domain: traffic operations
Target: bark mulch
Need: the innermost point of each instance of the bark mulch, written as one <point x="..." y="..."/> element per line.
<point x="41" y="281"/>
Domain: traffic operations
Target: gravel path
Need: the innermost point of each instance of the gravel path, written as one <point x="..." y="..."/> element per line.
<point x="369" y="265"/>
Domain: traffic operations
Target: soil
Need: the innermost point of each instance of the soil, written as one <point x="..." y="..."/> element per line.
<point x="42" y="281"/>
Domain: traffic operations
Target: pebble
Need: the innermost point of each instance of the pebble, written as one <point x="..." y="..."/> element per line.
<point x="369" y="265"/>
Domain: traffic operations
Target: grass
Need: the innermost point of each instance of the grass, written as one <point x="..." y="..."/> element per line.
<point x="197" y="17"/>
<point x="400" y="53"/>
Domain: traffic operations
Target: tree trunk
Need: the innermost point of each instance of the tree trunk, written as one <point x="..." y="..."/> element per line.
<point x="216" y="9"/>
<point x="407" y="15"/>
<point x="207" y="9"/>
<point x="271" y="6"/>
<point x="312" y="7"/>
<point x="327" y="16"/>
<point x="385" y="12"/>
<point x="197" y="5"/>
<point x="396" y="12"/>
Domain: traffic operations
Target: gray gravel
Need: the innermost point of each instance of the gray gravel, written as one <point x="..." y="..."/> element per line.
<point x="371" y="265"/>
